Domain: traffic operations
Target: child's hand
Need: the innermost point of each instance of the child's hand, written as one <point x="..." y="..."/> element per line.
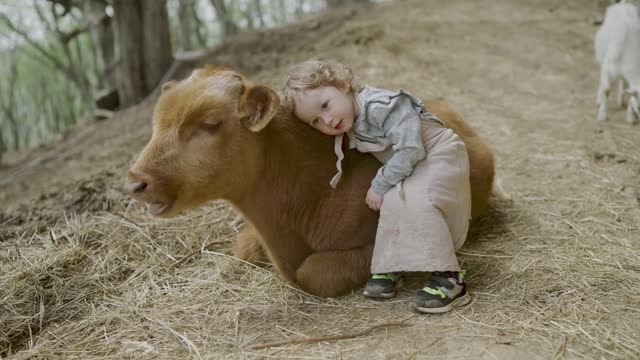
<point x="373" y="200"/>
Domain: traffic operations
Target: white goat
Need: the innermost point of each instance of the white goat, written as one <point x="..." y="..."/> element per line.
<point x="617" y="45"/>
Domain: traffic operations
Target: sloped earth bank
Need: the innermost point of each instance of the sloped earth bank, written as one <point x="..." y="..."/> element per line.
<point x="554" y="273"/>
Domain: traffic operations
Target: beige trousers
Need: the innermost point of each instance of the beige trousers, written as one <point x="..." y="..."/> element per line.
<point x="425" y="219"/>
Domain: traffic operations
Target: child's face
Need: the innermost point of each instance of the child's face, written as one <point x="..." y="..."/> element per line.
<point x="327" y="108"/>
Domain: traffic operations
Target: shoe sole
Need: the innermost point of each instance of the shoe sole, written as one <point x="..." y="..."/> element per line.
<point x="384" y="295"/>
<point x="379" y="296"/>
<point x="459" y="302"/>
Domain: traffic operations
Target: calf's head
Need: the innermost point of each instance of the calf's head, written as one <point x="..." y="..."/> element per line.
<point x="204" y="142"/>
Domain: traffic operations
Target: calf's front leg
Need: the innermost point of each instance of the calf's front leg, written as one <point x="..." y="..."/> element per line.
<point x="335" y="272"/>
<point x="248" y="246"/>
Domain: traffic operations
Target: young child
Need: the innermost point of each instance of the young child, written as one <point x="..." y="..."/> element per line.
<point x="422" y="190"/>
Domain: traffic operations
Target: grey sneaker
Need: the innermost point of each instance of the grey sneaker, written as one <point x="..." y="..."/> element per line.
<point x="445" y="292"/>
<point x="382" y="286"/>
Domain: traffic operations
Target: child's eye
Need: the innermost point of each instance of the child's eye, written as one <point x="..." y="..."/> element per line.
<point x="314" y="122"/>
<point x="325" y="105"/>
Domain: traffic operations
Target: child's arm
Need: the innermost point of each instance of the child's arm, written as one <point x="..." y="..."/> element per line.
<point x="402" y="125"/>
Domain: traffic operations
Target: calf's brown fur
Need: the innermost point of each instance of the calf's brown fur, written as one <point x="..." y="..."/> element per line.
<point x="218" y="136"/>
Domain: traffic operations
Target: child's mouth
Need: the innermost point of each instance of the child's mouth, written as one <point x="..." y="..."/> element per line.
<point x="339" y="126"/>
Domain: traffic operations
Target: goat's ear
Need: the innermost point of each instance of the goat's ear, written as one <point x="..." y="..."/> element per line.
<point x="259" y="104"/>
<point x="168" y="85"/>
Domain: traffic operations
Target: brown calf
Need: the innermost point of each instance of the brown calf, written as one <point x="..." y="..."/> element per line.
<point x="218" y="136"/>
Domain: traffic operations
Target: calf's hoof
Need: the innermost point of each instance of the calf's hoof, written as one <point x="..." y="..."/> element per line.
<point x="248" y="248"/>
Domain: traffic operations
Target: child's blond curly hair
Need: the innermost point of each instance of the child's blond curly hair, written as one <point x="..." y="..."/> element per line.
<point x="311" y="74"/>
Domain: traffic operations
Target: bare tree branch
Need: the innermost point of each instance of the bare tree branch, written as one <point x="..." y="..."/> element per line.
<point x="258" y="9"/>
<point x="54" y="62"/>
<point x="73" y="69"/>
<point x="66" y="5"/>
<point x="185" y="24"/>
<point x="225" y="17"/>
<point x="9" y="108"/>
<point x="67" y="37"/>
<point x="330" y="337"/>
<point x="201" y="31"/>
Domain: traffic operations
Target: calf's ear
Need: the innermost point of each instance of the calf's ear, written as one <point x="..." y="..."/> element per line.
<point x="259" y="104"/>
<point x="168" y="85"/>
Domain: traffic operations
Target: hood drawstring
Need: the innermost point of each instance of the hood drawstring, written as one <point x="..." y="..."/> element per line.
<point x="337" y="148"/>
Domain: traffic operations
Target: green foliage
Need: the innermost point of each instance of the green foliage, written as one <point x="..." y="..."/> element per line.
<point x="46" y="102"/>
<point x="53" y="92"/>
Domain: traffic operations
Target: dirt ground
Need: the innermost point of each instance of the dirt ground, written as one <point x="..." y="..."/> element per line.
<point x="554" y="273"/>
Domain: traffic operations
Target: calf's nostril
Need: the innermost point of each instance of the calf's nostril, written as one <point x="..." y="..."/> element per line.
<point x="136" y="187"/>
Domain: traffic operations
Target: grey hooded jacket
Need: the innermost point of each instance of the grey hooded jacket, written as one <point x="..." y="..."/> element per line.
<point x="386" y="119"/>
